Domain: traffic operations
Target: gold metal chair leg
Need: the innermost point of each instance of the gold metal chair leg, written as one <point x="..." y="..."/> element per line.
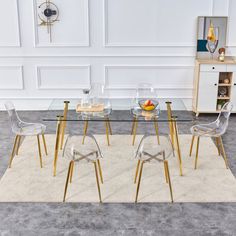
<point x="107" y="132"/>
<point x="196" y="158"/>
<point x="171" y="125"/>
<point x="218" y="145"/>
<point x="13" y="151"/>
<point x="177" y="145"/>
<point x="45" y="145"/>
<point x="71" y="171"/>
<point x="134" y="131"/>
<point x="40" y="153"/>
<point x="85" y="130"/>
<point x="18" y="145"/>
<point x="98" y="185"/>
<point x="191" y="147"/>
<point x="63" y="125"/>
<point x="166" y="175"/>
<point x="100" y="170"/>
<point x="169" y="181"/>
<point x="139" y="181"/>
<point x="57" y="146"/>
<point x="109" y="126"/>
<point x="136" y="172"/>
<point x="223" y="153"/>
<point x="157" y="130"/>
<point x="67" y="181"/>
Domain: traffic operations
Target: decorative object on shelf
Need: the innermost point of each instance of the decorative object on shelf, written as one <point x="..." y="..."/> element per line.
<point x="212" y="39"/>
<point x="220" y="104"/>
<point x="211" y="35"/>
<point x="222" y="91"/>
<point x="221" y="54"/>
<point x="48" y="14"/>
<point x="226" y="81"/>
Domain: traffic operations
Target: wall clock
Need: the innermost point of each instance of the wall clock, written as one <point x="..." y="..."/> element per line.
<point x="48" y="14"/>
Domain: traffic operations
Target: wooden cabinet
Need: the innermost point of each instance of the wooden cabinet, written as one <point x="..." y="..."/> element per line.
<point x="214" y="84"/>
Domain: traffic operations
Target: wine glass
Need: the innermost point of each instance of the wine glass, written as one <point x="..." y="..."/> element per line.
<point x="212" y="41"/>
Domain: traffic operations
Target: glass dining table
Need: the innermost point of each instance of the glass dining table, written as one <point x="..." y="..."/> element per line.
<point x="170" y="111"/>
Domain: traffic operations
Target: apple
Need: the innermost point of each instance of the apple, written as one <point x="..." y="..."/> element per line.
<point x="148" y="103"/>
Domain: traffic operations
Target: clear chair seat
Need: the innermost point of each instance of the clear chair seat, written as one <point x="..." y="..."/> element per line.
<point x="208" y="130"/>
<point x="28" y="129"/>
<point x="149" y="149"/>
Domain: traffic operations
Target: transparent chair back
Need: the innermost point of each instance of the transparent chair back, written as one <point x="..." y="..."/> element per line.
<point x="216" y="128"/>
<point x="223" y="118"/>
<point x="16" y="123"/>
<point x="75" y="150"/>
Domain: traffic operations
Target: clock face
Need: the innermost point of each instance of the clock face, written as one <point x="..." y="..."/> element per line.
<point x="48" y="12"/>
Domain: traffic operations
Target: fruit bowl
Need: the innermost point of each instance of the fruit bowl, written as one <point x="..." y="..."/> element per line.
<point x="148" y="104"/>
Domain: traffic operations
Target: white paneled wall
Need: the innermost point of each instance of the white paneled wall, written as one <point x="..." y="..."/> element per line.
<point x="119" y="42"/>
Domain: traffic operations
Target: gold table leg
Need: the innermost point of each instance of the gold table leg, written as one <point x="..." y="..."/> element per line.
<point x="139" y="181"/>
<point x="133" y="124"/>
<point x="98" y="185"/>
<point x="174" y="119"/>
<point x="45" y="145"/>
<point x="57" y="145"/>
<point x="18" y="145"/>
<point x="223" y="153"/>
<point x="13" y="150"/>
<point x="169" y="181"/>
<point x="67" y="181"/>
<point x="135" y="129"/>
<point x="196" y="158"/>
<point x="40" y="153"/>
<point x="171" y="126"/>
<point x="191" y="147"/>
<point x="157" y="130"/>
<point x="136" y="172"/>
<point x="63" y="125"/>
<point x="100" y="170"/>
<point x="109" y="126"/>
<point x="107" y="132"/>
<point x="85" y="130"/>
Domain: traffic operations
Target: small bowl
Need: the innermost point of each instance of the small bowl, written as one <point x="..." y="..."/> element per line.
<point x="152" y="107"/>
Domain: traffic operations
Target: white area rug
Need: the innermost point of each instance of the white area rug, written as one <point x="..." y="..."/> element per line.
<point x="27" y="182"/>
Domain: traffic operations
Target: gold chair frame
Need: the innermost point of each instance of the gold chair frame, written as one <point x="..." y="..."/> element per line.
<point x="97" y="169"/>
<point x="16" y="147"/>
<point x="139" y="171"/>
<point x="219" y="145"/>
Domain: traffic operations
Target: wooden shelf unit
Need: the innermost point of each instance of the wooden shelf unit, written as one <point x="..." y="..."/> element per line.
<point x="214" y="84"/>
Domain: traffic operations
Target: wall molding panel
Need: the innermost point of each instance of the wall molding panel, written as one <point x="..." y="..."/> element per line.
<point x="86" y="23"/>
<point x="160" y="86"/>
<point x="11" y="77"/>
<point x="183" y="44"/>
<point x="63" y="77"/>
<point x="17" y="32"/>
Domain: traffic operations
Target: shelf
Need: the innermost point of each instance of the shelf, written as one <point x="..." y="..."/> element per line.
<point x="223" y="98"/>
<point x="228" y="85"/>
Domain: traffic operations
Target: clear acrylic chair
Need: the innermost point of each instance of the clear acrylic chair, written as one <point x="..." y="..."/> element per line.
<point x="76" y="153"/>
<point x="21" y="129"/>
<point x="98" y="95"/>
<point x="150" y="150"/>
<point x="144" y="91"/>
<point x="214" y="130"/>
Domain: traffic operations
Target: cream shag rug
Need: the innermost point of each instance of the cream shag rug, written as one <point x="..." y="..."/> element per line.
<point x="27" y="182"/>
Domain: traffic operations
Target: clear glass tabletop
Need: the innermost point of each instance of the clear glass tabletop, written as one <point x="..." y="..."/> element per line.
<point x="123" y="110"/>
